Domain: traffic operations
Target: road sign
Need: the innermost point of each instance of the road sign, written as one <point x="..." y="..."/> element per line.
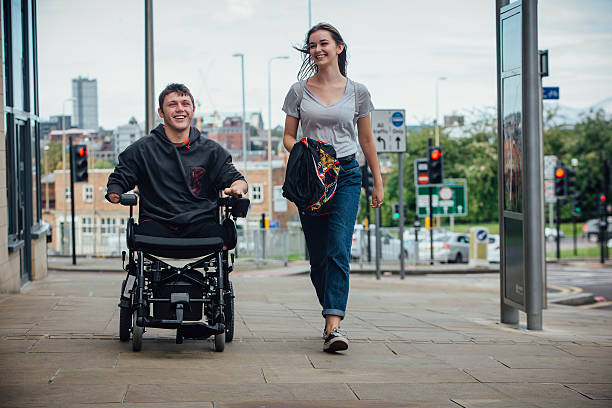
<point x="550" y="163"/>
<point x="421" y="173"/>
<point x="389" y="130"/>
<point x="449" y="198"/>
<point x="481" y="235"/>
<point x="550" y="92"/>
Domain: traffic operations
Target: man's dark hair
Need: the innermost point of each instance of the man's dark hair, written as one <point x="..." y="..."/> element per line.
<point x="178" y="88"/>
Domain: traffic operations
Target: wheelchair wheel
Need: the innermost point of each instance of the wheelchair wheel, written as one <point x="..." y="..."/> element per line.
<point x="137" y="332"/>
<point x="220" y="342"/>
<point x="229" y="313"/>
<point x="125" y="320"/>
<point x="125" y="323"/>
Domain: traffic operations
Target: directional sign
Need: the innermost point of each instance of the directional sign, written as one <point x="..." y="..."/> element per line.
<point x="389" y="130"/>
<point x="447" y="199"/>
<point x="550" y="92"/>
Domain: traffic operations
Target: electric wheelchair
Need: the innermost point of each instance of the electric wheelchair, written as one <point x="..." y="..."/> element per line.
<point x="197" y="299"/>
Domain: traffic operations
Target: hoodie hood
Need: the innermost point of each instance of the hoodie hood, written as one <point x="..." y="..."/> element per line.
<point x="160" y="134"/>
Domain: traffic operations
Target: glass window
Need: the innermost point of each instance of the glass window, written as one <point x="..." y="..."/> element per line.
<point x="257" y="194"/>
<point x="88" y="193"/>
<point x="17" y="54"/>
<point x="35" y="160"/>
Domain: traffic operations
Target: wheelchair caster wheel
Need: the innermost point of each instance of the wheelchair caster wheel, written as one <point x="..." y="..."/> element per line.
<point x="137" y="332"/>
<point x="179" y="338"/>
<point x="220" y="342"/>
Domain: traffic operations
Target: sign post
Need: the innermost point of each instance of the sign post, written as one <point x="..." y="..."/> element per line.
<point x="389" y="131"/>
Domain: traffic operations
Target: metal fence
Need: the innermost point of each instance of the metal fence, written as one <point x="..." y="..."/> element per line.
<point x="261" y="245"/>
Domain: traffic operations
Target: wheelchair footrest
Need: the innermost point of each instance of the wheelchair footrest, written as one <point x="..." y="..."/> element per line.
<point x="189" y="330"/>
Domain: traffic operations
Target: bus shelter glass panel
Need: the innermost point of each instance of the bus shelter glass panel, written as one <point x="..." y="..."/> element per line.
<point x="513" y="144"/>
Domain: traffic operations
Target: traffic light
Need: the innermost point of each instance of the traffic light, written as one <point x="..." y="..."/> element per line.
<point x="367" y="180"/>
<point x="396" y="211"/>
<point x="570" y="175"/>
<point x="560" y="182"/>
<point x="435" y="165"/>
<point x="602" y="204"/>
<point x="79" y="160"/>
<point x="577" y="199"/>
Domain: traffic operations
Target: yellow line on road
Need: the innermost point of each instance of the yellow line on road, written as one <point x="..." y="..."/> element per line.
<point x="596" y="305"/>
<point x="563" y="289"/>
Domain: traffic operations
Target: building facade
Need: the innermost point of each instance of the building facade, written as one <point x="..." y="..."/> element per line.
<point x="85" y="104"/>
<point x="23" y="254"/>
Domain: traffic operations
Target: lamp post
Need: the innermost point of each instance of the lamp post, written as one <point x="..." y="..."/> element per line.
<point x="437" y="134"/>
<point x="46" y="153"/>
<point x="64" y="167"/>
<point x="309" y="16"/>
<point x="270" y="188"/>
<point x="244" y="135"/>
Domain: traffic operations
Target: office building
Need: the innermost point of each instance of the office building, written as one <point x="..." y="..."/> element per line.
<point x="85" y="104"/>
<point x="23" y="247"/>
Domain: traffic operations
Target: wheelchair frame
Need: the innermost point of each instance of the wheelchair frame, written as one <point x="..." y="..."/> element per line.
<point x="147" y="274"/>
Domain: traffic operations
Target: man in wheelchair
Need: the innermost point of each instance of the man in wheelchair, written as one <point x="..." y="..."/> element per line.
<point x="180" y="175"/>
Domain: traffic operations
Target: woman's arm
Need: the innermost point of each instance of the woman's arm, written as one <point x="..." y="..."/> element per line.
<point x="290" y="135"/>
<point x="366" y="141"/>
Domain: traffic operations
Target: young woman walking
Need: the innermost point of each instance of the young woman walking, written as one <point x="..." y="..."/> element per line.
<point x="328" y="104"/>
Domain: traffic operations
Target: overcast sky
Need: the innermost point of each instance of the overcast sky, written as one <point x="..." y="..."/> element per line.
<point x="396" y="48"/>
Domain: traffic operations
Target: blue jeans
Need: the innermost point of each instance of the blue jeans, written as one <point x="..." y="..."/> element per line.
<point x="329" y="239"/>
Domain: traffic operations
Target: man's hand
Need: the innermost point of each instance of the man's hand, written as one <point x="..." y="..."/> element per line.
<point x="237" y="189"/>
<point x="114" y="198"/>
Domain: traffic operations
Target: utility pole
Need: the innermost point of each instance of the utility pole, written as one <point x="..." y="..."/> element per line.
<point x="149" y="71"/>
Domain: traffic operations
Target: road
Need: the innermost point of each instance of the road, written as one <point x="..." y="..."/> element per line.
<point x="591" y="278"/>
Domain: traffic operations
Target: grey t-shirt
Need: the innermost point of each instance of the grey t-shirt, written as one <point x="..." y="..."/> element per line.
<point x="333" y="124"/>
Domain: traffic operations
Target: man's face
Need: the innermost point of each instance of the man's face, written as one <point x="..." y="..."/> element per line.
<point x="178" y="111"/>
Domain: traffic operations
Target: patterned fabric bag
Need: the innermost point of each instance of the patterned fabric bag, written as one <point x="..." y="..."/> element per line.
<point x="312" y="176"/>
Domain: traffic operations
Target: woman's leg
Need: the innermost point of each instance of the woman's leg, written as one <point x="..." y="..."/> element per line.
<point x="315" y="233"/>
<point x="341" y="224"/>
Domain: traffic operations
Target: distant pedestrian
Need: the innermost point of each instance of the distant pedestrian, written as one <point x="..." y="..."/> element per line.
<point x="329" y="105"/>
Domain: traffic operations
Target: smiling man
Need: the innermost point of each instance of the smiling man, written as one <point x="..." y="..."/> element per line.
<point x="178" y="173"/>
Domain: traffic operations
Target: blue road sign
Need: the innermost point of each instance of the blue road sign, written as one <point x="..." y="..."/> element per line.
<point x="397" y="119"/>
<point x="550" y="92"/>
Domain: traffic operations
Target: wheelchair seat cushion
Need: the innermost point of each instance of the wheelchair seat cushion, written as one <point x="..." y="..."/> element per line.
<point x="176" y="247"/>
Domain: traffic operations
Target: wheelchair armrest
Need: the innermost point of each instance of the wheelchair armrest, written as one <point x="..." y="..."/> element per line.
<point x="128" y="199"/>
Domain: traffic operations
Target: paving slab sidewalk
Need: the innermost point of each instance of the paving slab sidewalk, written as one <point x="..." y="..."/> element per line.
<point x="426" y="341"/>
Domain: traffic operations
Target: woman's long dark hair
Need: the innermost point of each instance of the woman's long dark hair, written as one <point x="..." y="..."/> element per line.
<point x="309" y="68"/>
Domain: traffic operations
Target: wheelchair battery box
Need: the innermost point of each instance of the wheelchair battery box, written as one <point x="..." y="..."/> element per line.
<point x="166" y="310"/>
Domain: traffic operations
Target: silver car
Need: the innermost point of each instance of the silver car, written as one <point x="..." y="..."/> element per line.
<point x="451" y="247"/>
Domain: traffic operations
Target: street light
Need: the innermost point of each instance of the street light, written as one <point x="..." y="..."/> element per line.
<point x="271" y="192"/>
<point x="244" y="137"/>
<point x="437" y="134"/>
<point x="64" y="167"/>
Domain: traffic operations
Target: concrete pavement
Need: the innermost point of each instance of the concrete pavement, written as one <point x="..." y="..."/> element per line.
<point x="426" y="341"/>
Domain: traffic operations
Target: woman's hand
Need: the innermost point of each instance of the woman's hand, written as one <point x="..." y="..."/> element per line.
<point x="377" y="195"/>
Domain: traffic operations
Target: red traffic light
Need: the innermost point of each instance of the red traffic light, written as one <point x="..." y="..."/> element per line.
<point x="560" y="173"/>
<point x="82" y="152"/>
<point x="436" y="154"/>
<point x="602" y="198"/>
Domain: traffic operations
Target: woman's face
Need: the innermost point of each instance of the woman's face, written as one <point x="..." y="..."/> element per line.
<point x="323" y="48"/>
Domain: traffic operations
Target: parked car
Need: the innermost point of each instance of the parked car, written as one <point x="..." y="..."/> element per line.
<point x="590" y="229"/>
<point x="450" y="247"/>
<point x="493" y="249"/>
<point x="551" y="233"/>
<point x="390" y="245"/>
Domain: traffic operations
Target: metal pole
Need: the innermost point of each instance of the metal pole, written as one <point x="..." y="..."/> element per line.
<point x="431" y="251"/>
<point x="271" y="190"/>
<point x="309" y="15"/>
<point x="72" y="203"/>
<point x="558" y="238"/>
<point x="437" y="131"/>
<point x="400" y="182"/>
<point x="378" y="243"/>
<point x="149" y="71"/>
<point x="533" y="159"/>
<point x="508" y="314"/>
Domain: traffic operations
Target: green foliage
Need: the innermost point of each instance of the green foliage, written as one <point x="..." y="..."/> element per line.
<point x="52" y="157"/>
<point x="473" y="156"/>
<point x="588" y="142"/>
<point x="103" y="164"/>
